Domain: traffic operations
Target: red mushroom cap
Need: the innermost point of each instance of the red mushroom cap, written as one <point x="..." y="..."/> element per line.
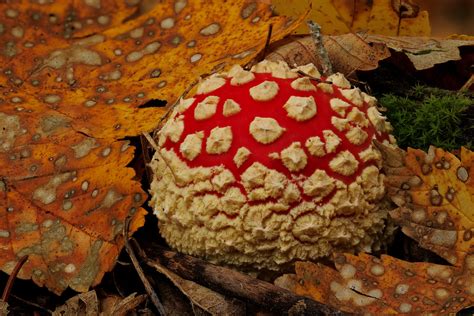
<point x="266" y="166"/>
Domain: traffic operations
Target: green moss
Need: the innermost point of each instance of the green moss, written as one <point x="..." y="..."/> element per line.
<point x="428" y="116"/>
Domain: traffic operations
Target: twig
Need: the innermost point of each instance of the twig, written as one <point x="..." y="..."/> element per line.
<point x="12" y="277"/>
<point x="235" y="284"/>
<point x="117" y="288"/>
<point x="263" y="53"/>
<point x="267" y="42"/>
<point x="170" y="109"/>
<point x="37" y="306"/>
<point x="151" y="141"/>
<point x="469" y="83"/>
<point x="315" y="30"/>
<point x="149" y="289"/>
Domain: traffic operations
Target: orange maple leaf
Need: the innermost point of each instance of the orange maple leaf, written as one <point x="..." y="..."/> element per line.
<point x="73" y="76"/>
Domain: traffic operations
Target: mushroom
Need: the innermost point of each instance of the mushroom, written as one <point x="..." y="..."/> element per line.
<point x="265" y="166"/>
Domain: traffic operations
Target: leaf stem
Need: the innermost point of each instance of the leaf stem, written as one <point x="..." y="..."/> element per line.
<point x="12" y="277"/>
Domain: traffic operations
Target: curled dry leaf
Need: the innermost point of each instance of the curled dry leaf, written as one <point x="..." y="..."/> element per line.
<point x="80" y="304"/>
<point x="3" y="307"/>
<point x="119" y="306"/>
<point x="66" y="100"/>
<point x="387" y="17"/>
<point x="435" y="195"/>
<point x="347" y="53"/>
<point x="423" y="52"/>
<point x="89" y="304"/>
<point x="371" y="286"/>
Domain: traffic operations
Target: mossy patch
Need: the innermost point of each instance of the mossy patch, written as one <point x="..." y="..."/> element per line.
<point x="427" y="116"/>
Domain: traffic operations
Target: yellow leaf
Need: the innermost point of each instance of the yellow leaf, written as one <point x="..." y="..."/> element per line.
<point x="322" y="12"/>
<point x="385" y="17"/>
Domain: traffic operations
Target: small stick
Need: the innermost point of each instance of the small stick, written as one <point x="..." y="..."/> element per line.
<point x="267" y="42"/>
<point x="235" y="284"/>
<point x="12" y="277"/>
<point x="262" y="54"/>
<point x="37" y="306"/>
<point x="469" y="83"/>
<point x="170" y="109"/>
<point x="149" y="289"/>
<point x="151" y="141"/>
<point x="315" y="30"/>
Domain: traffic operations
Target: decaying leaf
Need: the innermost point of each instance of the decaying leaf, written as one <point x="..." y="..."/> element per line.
<point x="67" y="99"/>
<point x="367" y="285"/>
<point x="435" y="195"/>
<point x="119" y="306"/>
<point x="80" y="304"/>
<point x="423" y="52"/>
<point x="387" y="17"/>
<point x="347" y="53"/>
<point x="3" y="308"/>
<point x="89" y="304"/>
<point x="208" y="300"/>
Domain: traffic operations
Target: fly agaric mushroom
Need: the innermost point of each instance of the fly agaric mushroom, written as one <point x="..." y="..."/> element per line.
<point x="263" y="167"/>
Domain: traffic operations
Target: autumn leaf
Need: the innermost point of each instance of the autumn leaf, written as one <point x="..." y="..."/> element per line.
<point x="347" y="53"/>
<point x="423" y="52"/>
<point x="386" y="17"/>
<point x="371" y="286"/>
<point x="82" y="303"/>
<point x="73" y="78"/>
<point x="89" y="304"/>
<point x="434" y="192"/>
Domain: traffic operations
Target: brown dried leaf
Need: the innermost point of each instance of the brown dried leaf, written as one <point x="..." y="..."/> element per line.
<point x="68" y="99"/>
<point x="423" y="52"/>
<point x="80" y="304"/>
<point x="367" y="285"/>
<point x="435" y="195"/>
<point x="347" y="53"/>
<point x="89" y="304"/>
<point x="387" y="17"/>
<point x="287" y="281"/>
<point x="3" y="307"/>
<point x="208" y="300"/>
<point x="119" y="306"/>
